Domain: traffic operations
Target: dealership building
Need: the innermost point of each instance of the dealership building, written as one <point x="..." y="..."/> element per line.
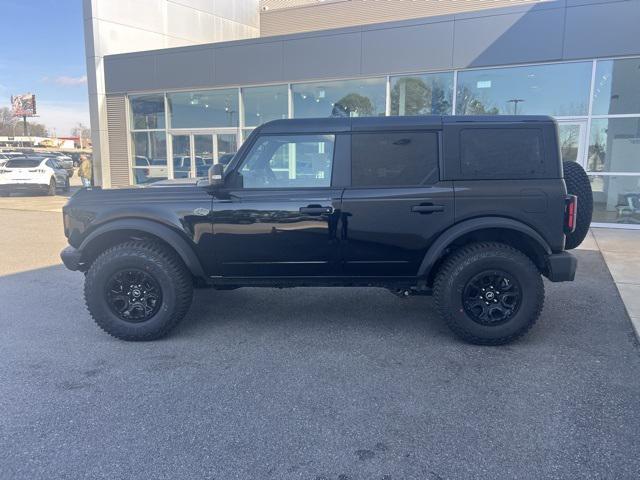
<point x="175" y="85"/>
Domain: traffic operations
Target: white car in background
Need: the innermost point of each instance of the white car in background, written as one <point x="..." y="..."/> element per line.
<point x="33" y="173"/>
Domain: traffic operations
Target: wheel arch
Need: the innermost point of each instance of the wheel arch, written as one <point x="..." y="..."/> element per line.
<point x="118" y="231"/>
<point x="500" y="229"/>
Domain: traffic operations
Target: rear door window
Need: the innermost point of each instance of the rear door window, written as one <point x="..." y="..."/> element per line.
<point x="394" y="159"/>
<point x="509" y="153"/>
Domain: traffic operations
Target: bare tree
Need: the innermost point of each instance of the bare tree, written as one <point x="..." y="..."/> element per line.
<point x="37" y="130"/>
<point x="7" y="122"/>
<point x="83" y="132"/>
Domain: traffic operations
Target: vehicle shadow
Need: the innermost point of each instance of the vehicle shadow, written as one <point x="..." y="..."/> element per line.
<point x="59" y="193"/>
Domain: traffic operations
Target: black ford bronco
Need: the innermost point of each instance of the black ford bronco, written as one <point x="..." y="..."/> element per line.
<point x="474" y="210"/>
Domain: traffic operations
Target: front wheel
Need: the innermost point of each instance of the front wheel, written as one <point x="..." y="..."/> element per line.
<point x="138" y="290"/>
<point x="489" y="293"/>
<point x="51" y="191"/>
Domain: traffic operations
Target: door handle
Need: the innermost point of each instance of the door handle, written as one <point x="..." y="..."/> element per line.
<point x="316" y="209"/>
<point x="427" y="209"/>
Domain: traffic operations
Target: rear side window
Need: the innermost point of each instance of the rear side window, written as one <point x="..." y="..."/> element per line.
<point x="501" y="152"/>
<point x="394" y="159"/>
<point x="22" y="163"/>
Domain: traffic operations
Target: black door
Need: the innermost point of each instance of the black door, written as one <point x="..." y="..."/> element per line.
<point x="396" y="204"/>
<point x="282" y="219"/>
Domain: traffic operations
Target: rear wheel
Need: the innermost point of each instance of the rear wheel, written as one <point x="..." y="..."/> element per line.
<point x="578" y="184"/>
<point x="138" y="290"/>
<point x="489" y="293"/>
<point x="51" y="191"/>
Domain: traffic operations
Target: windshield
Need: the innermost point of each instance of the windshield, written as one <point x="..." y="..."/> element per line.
<point x="22" y="163"/>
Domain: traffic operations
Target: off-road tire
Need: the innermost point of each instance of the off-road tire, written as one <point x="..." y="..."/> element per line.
<point x="166" y="268"/>
<point x="52" y="190"/>
<point x="472" y="259"/>
<point x="578" y="184"/>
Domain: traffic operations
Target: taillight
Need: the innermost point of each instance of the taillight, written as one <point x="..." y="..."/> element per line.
<point x="570" y="213"/>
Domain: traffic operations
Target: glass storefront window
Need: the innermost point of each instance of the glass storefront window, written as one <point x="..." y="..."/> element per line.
<point x="617" y="87"/>
<point x="559" y="90"/>
<point x="204" y="109"/>
<point x="616" y="198"/>
<point x="149" y="156"/>
<point x="263" y="104"/>
<point x="147" y="112"/>
<point x="614" y="145"/>
<point x="422" y="94"/>
<point x="347" y="98"/>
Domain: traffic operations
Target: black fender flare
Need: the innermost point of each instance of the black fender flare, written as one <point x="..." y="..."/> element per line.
<point x="164" y="232"/>
<point x="467" y="226"/>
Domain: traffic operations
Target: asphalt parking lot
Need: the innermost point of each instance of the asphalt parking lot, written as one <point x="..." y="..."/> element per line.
<point x="307" y="383"/>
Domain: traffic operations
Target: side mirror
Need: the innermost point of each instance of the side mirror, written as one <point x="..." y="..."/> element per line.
<point x="215" y="175"/>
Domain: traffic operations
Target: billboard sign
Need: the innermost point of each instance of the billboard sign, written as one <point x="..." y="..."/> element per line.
<point x="23" y="105"/>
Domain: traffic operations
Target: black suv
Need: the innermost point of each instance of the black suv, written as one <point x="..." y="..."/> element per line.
<point x="473" y="210"/>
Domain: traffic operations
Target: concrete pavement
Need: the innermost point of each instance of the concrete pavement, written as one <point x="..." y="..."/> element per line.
<point x="621" y="252"/>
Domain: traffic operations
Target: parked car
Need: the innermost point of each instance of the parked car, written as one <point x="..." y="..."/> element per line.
<point x="65" y="160"/>
<point x="33" y="173"/>
<point x="472" y="210"/>
<point x="11" y="153"/>
<point x="149" y="170"/>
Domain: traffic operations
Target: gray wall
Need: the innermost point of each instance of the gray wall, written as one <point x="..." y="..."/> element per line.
<point x="551" y="31"/>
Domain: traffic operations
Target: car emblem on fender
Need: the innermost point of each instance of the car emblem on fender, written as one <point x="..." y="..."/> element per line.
<point x="201" y="212"/>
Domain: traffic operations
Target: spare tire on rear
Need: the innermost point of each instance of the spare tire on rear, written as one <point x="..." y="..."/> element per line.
<point x="578" y="184"/>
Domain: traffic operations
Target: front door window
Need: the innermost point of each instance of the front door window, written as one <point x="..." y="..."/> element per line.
<point x="289" y="161"/>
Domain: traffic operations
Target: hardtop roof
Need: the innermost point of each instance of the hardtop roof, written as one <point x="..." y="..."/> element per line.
<point x="342" y="124"/>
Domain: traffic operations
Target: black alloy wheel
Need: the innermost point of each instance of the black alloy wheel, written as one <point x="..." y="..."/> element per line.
<point x="491" y="297"/>
<point x="133" y="295"/>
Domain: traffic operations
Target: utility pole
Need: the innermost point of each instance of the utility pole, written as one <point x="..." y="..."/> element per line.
<point x="515" y="102"/>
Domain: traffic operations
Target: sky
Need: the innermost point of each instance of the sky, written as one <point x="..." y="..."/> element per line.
<point x="42" y="52"/>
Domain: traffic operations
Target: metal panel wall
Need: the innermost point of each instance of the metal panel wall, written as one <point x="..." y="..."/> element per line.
<point x="118" y="152"/>
<point x="279" y="18"/>
<point x="542" y="32"/>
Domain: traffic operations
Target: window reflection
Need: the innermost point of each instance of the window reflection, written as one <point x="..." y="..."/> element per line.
<point x="569" y="138"/>
<point x="209" y="108"/>
<point x="614" y="145"/>
<point x="617" y="87"/>
<point x="559" y="90"/>
<point x="281" y="161"/>
<point x="147" y="111"/>
<point x="149" y="156"/>
<point x="263" y="104"/>
<point x="348" y="98"/>
<point x="616" y="199"/>
<point x="422" y="94"/>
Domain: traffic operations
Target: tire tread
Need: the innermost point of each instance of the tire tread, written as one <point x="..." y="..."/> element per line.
<point x="447" y="272"/>
<point x="158" y="254"/>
